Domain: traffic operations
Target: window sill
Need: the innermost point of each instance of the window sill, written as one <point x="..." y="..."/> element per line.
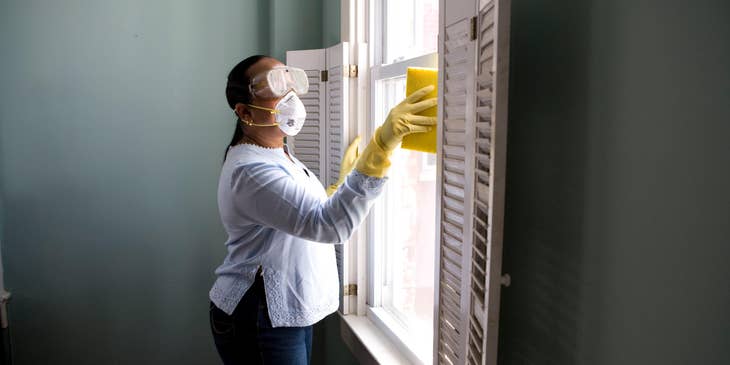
<point x="368" y="343"/>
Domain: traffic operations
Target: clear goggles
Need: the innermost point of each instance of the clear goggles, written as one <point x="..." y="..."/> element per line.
<point x="278" y="81"/>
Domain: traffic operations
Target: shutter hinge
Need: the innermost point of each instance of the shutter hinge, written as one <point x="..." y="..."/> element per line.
<point x="352" y="71"/>
<point x="324" y="76"/>
<point x="350" y="289"/>
<point x="4" y="299"/>
<point x="473" y="29"/>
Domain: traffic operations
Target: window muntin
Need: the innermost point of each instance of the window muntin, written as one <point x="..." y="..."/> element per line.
<point x="410" y="29"/>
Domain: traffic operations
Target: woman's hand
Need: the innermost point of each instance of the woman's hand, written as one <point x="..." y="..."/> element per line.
<point x="401" y="121"/>
<point x="352" y="153"/>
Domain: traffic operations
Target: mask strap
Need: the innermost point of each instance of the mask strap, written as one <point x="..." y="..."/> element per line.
<point x="272" y="111"/>
<point x="252" y="124"/>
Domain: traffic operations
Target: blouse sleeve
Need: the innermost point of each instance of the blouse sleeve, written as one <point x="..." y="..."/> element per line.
<point x="267" y="195"/>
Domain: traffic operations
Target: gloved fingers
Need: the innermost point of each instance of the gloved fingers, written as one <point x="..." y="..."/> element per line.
<point x="423" y="105"/>
<point x="418" y="129"/>
<point x="354" y="148"/>
<point x="352" y="153"/>
<point x="419" y="94"/>
<point x="422" y="120"/>
<point x="331" y="189"/>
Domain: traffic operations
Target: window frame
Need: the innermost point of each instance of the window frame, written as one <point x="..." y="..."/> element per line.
<point x="385" y="320"/>
<point x="461" y="20"/>
<point x="382" y="72"/>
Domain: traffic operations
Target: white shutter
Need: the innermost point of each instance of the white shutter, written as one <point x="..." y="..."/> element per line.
<point x="337" y="136"/>
<point x="455" y="158"/>
<point x="489" y="169"/>
<point x="472" y="147"/>
<point x="337" y="111"/>
<point x="309" y="144"/>
<point x="325" y="135"/>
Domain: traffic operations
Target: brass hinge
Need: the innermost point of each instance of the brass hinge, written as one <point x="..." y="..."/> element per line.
<point x="352" y="71"/>
<point x="324" y="76"/>
<point x="473" y="29"/>
<point x="350" y="289"/>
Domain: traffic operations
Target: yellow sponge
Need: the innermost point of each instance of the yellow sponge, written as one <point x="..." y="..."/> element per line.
<point x="418" y="78"/>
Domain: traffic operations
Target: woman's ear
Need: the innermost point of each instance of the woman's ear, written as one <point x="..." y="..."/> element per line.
<point x="242" y="112"/>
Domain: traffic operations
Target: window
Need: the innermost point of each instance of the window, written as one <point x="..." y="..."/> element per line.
<point x="410" y="29"/>
<point x="455" y="198"/>
<point x="402" y="235"/>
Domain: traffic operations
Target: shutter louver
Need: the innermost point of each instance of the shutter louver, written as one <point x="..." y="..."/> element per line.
<point x="484" y="92"/>
<point x="336" y="135"/>
<point x="457" y="63"/>
<point x="489" y="172"/>
<point x="335" y="123"/>
<point x="472" y="157"/>
<point x="309" y="145"/>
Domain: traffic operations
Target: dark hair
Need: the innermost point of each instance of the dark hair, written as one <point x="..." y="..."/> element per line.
<point x="237" y="92"/>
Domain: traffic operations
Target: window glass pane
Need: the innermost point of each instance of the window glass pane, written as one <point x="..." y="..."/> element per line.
<point x="407" y="229"/>
<point x="411" y="29"/>
<point x="411" y="237"/>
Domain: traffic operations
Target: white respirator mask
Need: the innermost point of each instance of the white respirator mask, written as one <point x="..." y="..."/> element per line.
<point x="290" y="114"/>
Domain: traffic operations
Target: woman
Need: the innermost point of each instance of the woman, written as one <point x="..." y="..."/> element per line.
<point x="280" y="275"/>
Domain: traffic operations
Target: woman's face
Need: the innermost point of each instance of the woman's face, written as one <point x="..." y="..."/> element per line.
<point x="263" y="116"/>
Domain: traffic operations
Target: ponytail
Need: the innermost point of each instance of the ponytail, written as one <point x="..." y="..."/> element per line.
<point x="237" y="92"/>
<point x="237" y="136"/>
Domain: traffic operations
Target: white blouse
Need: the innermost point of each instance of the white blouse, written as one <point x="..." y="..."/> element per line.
<point x="278" y="217"/>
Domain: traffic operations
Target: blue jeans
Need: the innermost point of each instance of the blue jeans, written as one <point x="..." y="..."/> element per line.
<point x="247" y="337"/>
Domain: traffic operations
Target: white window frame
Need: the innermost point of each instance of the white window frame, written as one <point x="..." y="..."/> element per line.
<point x="363" y="329"/>
<point x="358" y="25"/>
<point x="387" y="321"/>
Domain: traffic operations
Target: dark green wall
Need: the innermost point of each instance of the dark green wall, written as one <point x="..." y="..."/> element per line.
<point x="294" y="24"/>
<point x="113" y="122"/>
<point x="618" y="207"/>
<point x="330" y="22"/>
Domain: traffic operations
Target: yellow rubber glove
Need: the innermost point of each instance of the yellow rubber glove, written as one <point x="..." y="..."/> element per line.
<point x="348" y="163"/>
<point x="401" y="121"/>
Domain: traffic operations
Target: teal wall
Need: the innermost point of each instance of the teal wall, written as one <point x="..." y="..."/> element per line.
<point x="112" y="127"/>
<point x="113" y="122"/>
<point x="618" y="207"/>
<point x="294" y="24"/>
<point x="330" y="22"/>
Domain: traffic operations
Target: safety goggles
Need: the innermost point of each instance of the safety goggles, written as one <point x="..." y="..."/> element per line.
<point x="278" y="81"/>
